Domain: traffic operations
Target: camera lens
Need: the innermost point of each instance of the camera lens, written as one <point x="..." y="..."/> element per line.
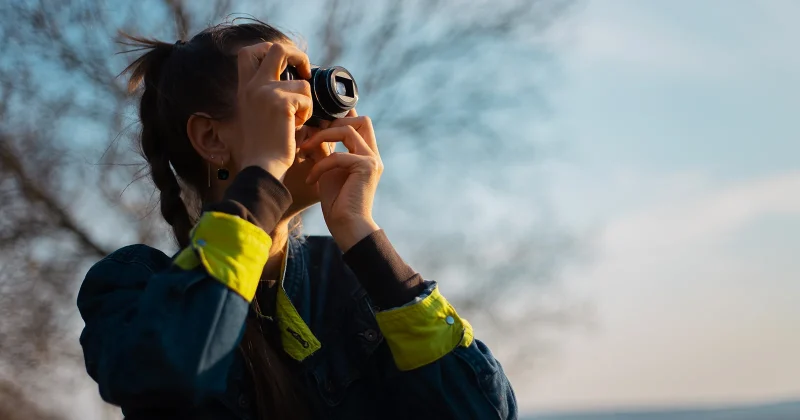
<point x="290" y="74"/>
<point x="334" y="92"/>
<point x="341" y="89"/>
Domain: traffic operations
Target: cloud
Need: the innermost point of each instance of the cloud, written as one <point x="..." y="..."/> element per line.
<point x="677" y="221"/>
<point x="631" y="43"/>
<point x="632" y="37"/>
<point x="695" y="296"/>
<point x="682" y="38"/>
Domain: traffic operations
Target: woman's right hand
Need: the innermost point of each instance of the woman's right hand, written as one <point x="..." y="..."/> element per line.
<point x="269" y="109"/>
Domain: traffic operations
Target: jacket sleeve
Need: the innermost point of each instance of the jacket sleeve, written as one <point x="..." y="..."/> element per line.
<point x="443" y="369"/>
<point x="166" y="338"/>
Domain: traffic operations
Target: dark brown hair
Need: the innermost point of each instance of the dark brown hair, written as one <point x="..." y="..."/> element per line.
<point x="179" y="80"/>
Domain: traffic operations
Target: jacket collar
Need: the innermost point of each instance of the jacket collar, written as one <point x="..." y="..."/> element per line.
<point x="292" y="310"/>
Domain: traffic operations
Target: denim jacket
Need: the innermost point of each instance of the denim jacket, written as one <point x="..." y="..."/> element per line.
<point x="161" y="342"/>
<point x="162" y="334"/>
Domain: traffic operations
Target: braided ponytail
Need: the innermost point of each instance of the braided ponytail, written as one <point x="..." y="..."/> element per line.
<point x="148" y="69"/>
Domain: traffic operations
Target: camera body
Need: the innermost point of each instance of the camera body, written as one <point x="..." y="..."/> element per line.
<point x="333" y="91"/>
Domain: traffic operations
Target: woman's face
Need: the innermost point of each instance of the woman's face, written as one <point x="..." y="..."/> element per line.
<point x="303" y="195"/>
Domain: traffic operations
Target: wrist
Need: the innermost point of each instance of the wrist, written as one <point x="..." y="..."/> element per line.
<point x="352" y="232"/>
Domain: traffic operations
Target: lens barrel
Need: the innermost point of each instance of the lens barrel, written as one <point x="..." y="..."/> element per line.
<point x="334" y="92"/>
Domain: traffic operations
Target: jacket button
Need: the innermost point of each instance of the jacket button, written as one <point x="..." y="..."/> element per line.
<point x="243" y="403"/>
<point x="449" y="320"/>
<point x="370" y="335"/>
<point x="329" y="385"/>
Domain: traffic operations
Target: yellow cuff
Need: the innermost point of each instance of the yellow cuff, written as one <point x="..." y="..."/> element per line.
<point x="231" y="249"/>
<point x="187" y="259"/>
<point x="423" y="332"/>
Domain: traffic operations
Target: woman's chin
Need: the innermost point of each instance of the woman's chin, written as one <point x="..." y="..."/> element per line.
<point x="303" y="195"/>
<point x="302" y="200"/>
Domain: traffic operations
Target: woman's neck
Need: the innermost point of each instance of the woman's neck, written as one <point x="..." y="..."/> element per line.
<point x="280" y="235"/>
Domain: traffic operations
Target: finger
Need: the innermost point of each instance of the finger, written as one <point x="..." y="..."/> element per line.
<point x="248" y="60"/>
<point x="277" y="58"/>
<point x="346" y="161"/>
<point x="316" y="154"/>
<point x="300" y="105"/>
<point x="352" y="113"/>
<point x="296" y="86"/>
<point x="363" y="126"/>
<point x="347" y="135"/>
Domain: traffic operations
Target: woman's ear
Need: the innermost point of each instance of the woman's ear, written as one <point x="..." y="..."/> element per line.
<point x="204" y="133"/>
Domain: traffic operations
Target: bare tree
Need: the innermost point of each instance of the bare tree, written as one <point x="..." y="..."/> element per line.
<point x="435" y="75"/>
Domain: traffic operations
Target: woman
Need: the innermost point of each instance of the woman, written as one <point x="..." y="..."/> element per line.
<point x="249" y="321"/>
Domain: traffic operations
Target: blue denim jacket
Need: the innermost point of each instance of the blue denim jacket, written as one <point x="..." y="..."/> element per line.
<point x="161" y="342"/>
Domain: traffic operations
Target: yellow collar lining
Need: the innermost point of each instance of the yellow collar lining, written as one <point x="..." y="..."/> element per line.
<point x="297" y="339"/>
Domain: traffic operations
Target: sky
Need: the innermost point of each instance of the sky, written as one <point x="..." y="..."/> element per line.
<point x="677" y="166"/>
<point x="681" y="166"/>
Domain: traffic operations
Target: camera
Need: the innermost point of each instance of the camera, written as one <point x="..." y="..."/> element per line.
<point x="333" y="91"/>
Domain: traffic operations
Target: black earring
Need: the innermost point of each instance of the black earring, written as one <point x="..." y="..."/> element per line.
<point x="222" y="173"/>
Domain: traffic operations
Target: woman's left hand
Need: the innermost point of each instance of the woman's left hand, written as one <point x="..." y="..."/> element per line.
<point x="347" y="181"/>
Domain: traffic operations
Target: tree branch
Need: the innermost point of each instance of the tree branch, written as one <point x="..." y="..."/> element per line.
<point x="181" y="15"/>
<point x="38" y="194"/>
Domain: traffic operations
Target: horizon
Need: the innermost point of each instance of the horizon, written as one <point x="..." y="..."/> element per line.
<point x="651" y="409"/>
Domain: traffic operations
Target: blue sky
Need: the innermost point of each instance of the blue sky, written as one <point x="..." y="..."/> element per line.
<point x="682" y="166"/>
